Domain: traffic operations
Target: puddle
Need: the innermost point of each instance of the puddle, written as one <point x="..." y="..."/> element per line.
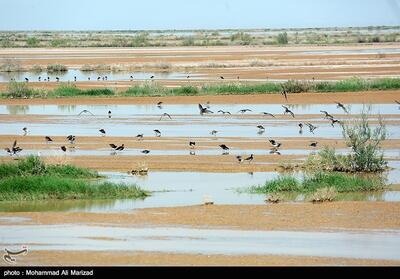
<point x="83" y="76"/>
<point x="355" y="51"/>
<point x="382" y="245"/>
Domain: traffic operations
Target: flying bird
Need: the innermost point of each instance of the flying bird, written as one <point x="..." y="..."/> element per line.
<point x="244" y="110"/>
<point x="157" y="132"/>
<point x="204" y="110"/>
<point x="340" y="105"/>
<point x="311" y="127"/>
<point x="48" y="139"/>
<point x="223" y="112"/>
<point x="165" y="114"/>
<point x="327" y="115"/>
<point x="14" y="150"/>
<point x="274" y="143"/>
<point x="85" y="111"/>
<point x="103" y="132"/>
<point x="287" y="110"/>
<point x="71" y="139"/>
<point x="269" y="114"/>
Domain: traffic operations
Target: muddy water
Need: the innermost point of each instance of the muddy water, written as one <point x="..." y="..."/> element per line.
<point x="379" y="244"/>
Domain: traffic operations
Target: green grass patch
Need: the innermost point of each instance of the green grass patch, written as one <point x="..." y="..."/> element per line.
<point x="311" y="183"/>
<point x="44" y="187"/>
<point x="73" y="91"/>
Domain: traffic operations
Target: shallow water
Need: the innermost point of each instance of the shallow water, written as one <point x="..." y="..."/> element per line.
<point x="355" y="51"/>
<point x="83" y="76"/>
<point x="379" y="244"/>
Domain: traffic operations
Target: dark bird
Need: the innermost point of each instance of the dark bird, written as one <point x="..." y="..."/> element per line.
<point x="239" y="158"/>
<point x="88" y="78"/>
<point x="98" y="78"/>
<point x="165" y="114"/>
<point x="109" y="114"/>
<point x="275" y="144"/>
<point x="192" y="144"/>
<point x="131" y="78"/>
<point x="151" y="77"/>
<point x="85" y="111"/>
<point x="311" y="127"/>
<point x="223" y="112"/>
<point x="157" y="132"/>
<point x="63" y="148"/>
<point x="25" y="130"/>
<point x="14" y="150"/>
<point x="274" y="151"/>
<point x="250" y="158"/>
<point x="48" y="139"/>
<point x="214" y="132"/>
<point x="287" y="110"/>
<point x="269" y="114"/>
<point x="244" y="110"/>
<point x="333" y="121"/>
<point x="397" y="102"/>
<point x="204" y="109"/>
<point x="221" y="77"/>
<point x="224" y="147"/>
<point x="74" y="78"/>
<point x="192" y="152"/>
<point x="103" y="132"/>
<point x="27" y="79"/>
<point x="313" y="144"/>
<point x="145" y="151"/>
<point x="113" y="146"/>
<point x="139" y="136"/>
<point x="57" y="79"/>
<point x="39" y="78"/>
<point x="327" y="115"/>
<point x="159" y="104"/>
<point x="120" y="148"/>
<point x="261" y="127"/>
<point x="300" y="128"/>
<point x="340" y="105"/>
<point x="71" y="139"/>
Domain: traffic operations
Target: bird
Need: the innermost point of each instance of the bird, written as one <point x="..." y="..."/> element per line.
<point x="192" y="152"/>
<point x="85" y="111"/>
<point x="165" y="114"/>
<point x="74" y="78"/>
<point x="159" y="104"/>
<point x="192" y="144"/>
<point x="109" y="114"/>
<point x="300" y="128"/>
<point x="113" y="146"/>
<point x="283" y="92"/>
<point x="239" y="158"/>
<point x="223" y="112"/>
<point x="14" y="150"/>
<point x="48" y="139"/>
<point x="327" y="115"/>
<point x="27" y="79"/>
<point x="340" y="105"/>
<point x="274" y="143"/>
<point x="25" y="131"/>
<point x="39" y="78"/>
<point x="274" y="151"/>
<point x="244" y="110"/>
<point x="261" y="127"/>
<point x="145" y="151"/>
<point x="157" y="132"/>
<point x="57" y="79"/>
<point x="214" y="132"/>
<point x="313" y="144"/>
<point x="250" y="158"/>
<point x="333" y="121"/>
<point x="224" y="147"/>
<point x="63" y="148"/>
<point x="131" y="78"/>
<point x="120" y="148"/>
<point x="221" y="77"/>
<point x="71" y="139"/>
<point x="151" y="77"/>
<point x="88" y="78"/>
<point x="139" y="136"/>
<point x="103" y="132"/>
<point x="204" y="110"/>
<point x="311" y="127"/>
<point x="267" y="113"/>
<point x="287" y="110"/>
<point x="98" y="78"/>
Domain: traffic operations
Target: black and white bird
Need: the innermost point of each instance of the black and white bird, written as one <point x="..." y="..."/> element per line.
<point x="287" y="110"/>
<point x="109" y="114"/>
<point x="340" y="105"/>
<point x="152" y="77"/>
<point x="157" y="133"/>
<point x="27" y="79"/>
<point x="166" y="115"/>
<point x="71" y="139"/>
<point x="314" y="144"/>
<point x="14" y="150"/>
<point x="48" y="139"/>
<point x="146" y="151"/>
<point x="268" y="114"/>
<point x="274" y="151"/>
<point x="221" y="77"/>
<point x="214" y="132"/>
<point x="223" y="112"/>
<point x="250" y="158"/>
<point x="120" y="148"/>
<point x="244" y="111"/>
<point x="103" y="132"/>
<point x="300" y="128"/>
<point x="261" y="127"/>
<point x="274" y="143"/>
<point x="25" y="131"/>
<point x="113" y="146"/>
<point x="239" y="158"/>
<point x="63" y="148"/>
<point x="327" y="115"/>
<point x="159" y="104"/>
<point x="192" y="144"/>
<point x="224" y="147"/>
<point x="333" y="121"/>
<point x="204" y="110"/>
<point x="311" y="127"/>
<point x="139" y="136"/>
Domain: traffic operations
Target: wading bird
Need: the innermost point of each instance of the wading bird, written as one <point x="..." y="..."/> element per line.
<point x="139" y="136"/>
<point x="103" y="132"/>
<point x="63" y="148"/>
<point x="214" y="132"/>
<point x="287" y="110"/>
<point x="39" y="78"/>
<point x="239" y="158"/>
<point x="221" y="77"/>
<point x="300" y="128"/>
<point x="224" y="148"/>
<point x="151" y="77"/>
<point x="74" y="78"/>
<point x="71" y="139"/>
<point x="48" y="139"/>
<point x="333" y="121"/>
<point x="109" y="114"/>
<point x="261" y="127"/>
<point x="274" y="143"/>
<point x="159" y="104"/>
<point x="14" y="150"/>
<point x="250" y="158"/>
<point x="25" y="131"/>
<point x="27" y="79"/>
<point x="145" y="151"/>
<point x="311" y="127"/>
<point x="274" y="151"/>
<point x="340" y="105"/>
<point x="157" y="133"/>
<point x="57" y="79"/>
<point x="223" y="112"/>
<point x="204" y="110"/>
<point x="113" y="146"/>
<point x="314" y="144"/>
<point x="192" y="144"/>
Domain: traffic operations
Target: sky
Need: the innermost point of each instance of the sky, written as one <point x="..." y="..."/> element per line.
<point x="189" y="14"/>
